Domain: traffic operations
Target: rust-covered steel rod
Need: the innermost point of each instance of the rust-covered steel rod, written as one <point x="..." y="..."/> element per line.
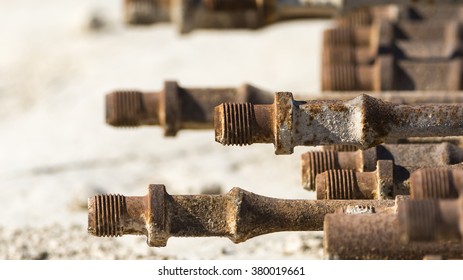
<point x="431" y="220"/>
<point x="238" y="215"/>
<point x="176" y="107"/>
<point x="190" y="15"/>
<point x="437" y="183"/>
<point x="406" y="157"/>
<point x="363" y="121"/>
<point x="377" y="236"/>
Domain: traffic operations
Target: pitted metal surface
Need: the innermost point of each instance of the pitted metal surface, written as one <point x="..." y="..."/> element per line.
<point x="238" y="215"/>
<point x="363" y="122"/>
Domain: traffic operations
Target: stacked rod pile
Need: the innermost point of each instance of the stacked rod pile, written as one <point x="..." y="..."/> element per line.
<point x="389" y="175"/>
<point x="394" y="48"/>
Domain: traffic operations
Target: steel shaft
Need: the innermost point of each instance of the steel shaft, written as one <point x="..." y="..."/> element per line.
<point x="238" y="215"/>
<point x="363" y="121"/>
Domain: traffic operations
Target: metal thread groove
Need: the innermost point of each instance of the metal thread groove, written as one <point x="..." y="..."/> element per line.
<point x="340" y="77"/>
<point x="219" y="5"/>
<point x="109" y="211"/>
<point x="358" y="17"/>
<point x="124" y="108"/>
<point x="338" y="55"/>
<point x="420" y="219"/>
<point x="337" y="37"/>
<point x="340" y="148"/>
<point x="435" y="184"/>
<point x="238" y="123"/>
<point x="319" y="162"/>
<point x="340" y="184"/>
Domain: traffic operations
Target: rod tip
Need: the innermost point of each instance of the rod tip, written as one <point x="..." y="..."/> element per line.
<point x="434" y="183"/>
<point x="124" y="108"/>
<point x="233" y="123"/>
<point x="314" y="163"/>
<point x="336" y="184"/>
<point x="106" y="215"/>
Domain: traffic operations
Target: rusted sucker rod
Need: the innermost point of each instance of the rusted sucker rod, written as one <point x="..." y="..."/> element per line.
<point x="405" y="156"/>
<point x="364" y="122"/>
<point x="176" y="107"/>
<point x="238" y="215"/>
<point x="189" y="15"/>
<point x="431" y="220"/>
<point x="437" y="183"/>
<point x="377" y="236"/>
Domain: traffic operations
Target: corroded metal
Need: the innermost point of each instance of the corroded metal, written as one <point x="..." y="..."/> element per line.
<point x="438" y="183"/>
<point x="407" y="158"/>
<point x="377" y="236"/>
<point x="364" y="122"/>
<point x="387" y="73"/>
<point x="348" y="184"/>
<point x="189" y="15"/>
<point x="431" y="220"/>
<point x="238" y="215"/>
<point x="175" y="107"/>
<point x="436" y="39"/>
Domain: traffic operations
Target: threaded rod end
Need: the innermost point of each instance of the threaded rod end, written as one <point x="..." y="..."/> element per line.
<point x="340" y="184"/>
<point x="418" y="219"/>
<point x="236" y="123"/>
<point x="338" y="55"/>
<point x="340" y="77"/>
<point x="124" y="108"/>
<point x="343" y="36"/>
<point x="109" y="212"/>
<point x="319" y="162"/>
<point x="340" y="148"/>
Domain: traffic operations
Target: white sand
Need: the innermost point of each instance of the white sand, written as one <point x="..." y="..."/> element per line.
<point x="56" y="150"/>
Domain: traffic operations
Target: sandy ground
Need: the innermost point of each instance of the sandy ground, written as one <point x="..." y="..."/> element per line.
<point x="56" y="150"/>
